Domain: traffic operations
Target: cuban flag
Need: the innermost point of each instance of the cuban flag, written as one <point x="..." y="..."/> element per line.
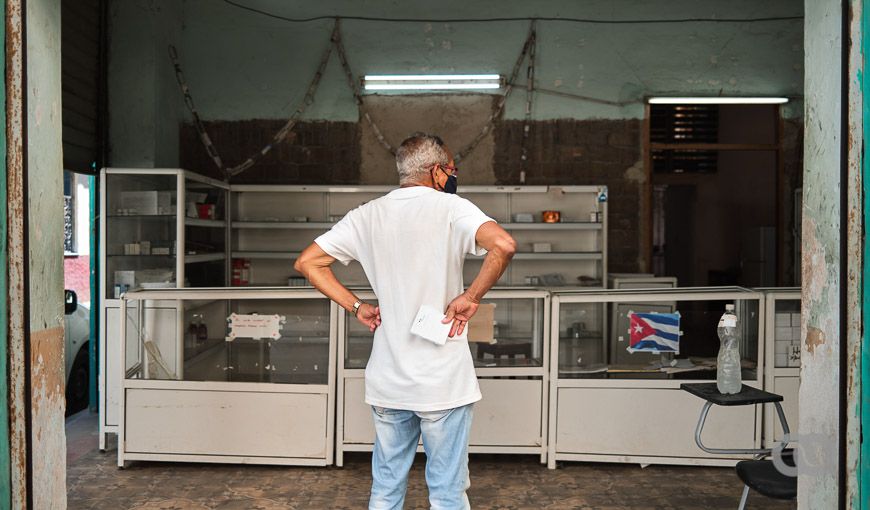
<point x="654" y="332"/>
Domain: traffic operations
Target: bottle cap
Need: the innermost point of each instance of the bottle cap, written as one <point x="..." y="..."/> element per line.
<point x="729" y="308"/>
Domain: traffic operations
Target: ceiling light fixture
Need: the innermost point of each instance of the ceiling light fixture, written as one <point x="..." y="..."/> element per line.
<point x="432" y="82"/>
<point x="717" y="100"/>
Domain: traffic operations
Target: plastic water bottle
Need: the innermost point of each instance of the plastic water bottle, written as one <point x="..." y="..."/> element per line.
<point x="728" y="378"/>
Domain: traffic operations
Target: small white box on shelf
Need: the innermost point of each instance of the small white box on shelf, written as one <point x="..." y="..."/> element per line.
<point x="796" y="319"/>
<point x="542" y="247"/>
<point x="524" y="218"/>
<point x="783" y="333"/>
<point x="795" y="333"/>
<point x="783" y="319"/>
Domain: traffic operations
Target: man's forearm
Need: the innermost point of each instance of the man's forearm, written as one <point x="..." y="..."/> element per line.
<point x="494" y="265"/>
<point x="325" y="281"/>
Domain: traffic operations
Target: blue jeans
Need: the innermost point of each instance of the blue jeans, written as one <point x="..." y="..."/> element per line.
<point x="445" y="441"/>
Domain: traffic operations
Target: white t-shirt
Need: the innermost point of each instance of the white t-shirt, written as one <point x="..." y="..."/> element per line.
<point x="411" y="244"/>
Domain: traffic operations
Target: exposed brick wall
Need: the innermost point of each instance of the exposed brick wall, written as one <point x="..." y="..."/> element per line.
<point x="316" y="152"/>
<point x="77" y="277"/>
<point x="593" y="152"/>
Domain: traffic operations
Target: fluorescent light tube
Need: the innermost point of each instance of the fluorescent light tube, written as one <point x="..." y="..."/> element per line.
<point x="432" y="82"/>
<point x="432" y="86"/>
<point x="718" y="100"/>
<point x="432" y="77"/>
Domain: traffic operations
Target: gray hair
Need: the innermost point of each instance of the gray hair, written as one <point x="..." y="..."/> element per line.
<point x="417" y="154"/>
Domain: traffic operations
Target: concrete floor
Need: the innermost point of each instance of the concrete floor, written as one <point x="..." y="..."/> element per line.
<point x="497" y="482"/>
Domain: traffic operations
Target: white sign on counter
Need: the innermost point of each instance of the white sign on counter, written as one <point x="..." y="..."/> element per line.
<point x="255" y="326"/>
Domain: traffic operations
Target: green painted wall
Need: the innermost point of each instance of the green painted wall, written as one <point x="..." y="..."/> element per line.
<point x="45" y="253"/>
<point x="144" y="105"/>
<point x="863" y="491"/>
<point x="819" y="400"/>
<point x="241" y="65"/>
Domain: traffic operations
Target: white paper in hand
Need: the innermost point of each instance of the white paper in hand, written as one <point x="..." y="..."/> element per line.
<point x="427" y="324"/>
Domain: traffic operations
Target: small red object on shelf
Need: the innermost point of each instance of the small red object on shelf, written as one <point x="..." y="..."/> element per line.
<point x="241" y="272"/>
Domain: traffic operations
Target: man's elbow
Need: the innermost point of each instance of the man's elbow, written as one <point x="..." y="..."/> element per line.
<point x="506" y="246"/>
<point x="301" y="265"/>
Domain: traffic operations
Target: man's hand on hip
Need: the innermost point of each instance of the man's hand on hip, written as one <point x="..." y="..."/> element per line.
<point x="369" y="315"/>
<point x="460" y="310"/>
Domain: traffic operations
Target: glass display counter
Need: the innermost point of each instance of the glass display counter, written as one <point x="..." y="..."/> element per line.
<point x="241" y="366"/>
<point x="782" y="357"/>
<point x="512" y="371"/>
<point x="618" y="358"/>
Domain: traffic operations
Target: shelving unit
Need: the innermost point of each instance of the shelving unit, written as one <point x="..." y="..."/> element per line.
<point x="268" y="231"/>
<point x="578" y="245"/>
<point x="143" y="211"/>
<point x="511" y="417"/>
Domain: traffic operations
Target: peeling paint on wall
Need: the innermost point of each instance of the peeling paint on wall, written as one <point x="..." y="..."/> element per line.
<point x="15" y="212"/>
<point x="815" y="337"/>
<point x="45" y="258"/>
<point x="819" y="400"/>
<point x="49" y="439"/>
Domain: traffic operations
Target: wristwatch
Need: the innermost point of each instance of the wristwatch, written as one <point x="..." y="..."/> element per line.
<point x="355" y="308"/>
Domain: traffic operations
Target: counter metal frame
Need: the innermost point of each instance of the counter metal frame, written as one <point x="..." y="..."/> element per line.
<point x="289" y="395"/>
<point x="498" y="384"/>
<point x="639" y="396"/>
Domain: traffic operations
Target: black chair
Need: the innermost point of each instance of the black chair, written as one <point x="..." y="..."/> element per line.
<point x="776" y="478"/>
<point x="764" y="477"/>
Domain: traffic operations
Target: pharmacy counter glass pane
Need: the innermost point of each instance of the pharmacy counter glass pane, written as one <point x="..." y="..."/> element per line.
<point x="505" y="332"/>
<point x="140" y="232"/>
<point x="666" y="334"/>
<point x="236" y="340"/>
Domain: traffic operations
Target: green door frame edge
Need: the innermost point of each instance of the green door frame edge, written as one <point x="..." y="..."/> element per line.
<point x="5" y="467"/>
<point x="95" y="295"/>
<point x="864" y="462"/>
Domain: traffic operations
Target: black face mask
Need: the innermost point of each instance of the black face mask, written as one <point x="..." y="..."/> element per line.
<point x="451" y="185"/>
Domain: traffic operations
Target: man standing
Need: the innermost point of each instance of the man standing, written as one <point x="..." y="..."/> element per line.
<point x="411" y="244"/>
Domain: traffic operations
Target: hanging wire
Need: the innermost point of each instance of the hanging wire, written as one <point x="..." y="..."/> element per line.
<point x="188" y="102"/>
<point x="596" y="21"/>
<point x="279" y="137"/>
<point x="354" y="87"/>
<point x="284" y="132"/>
<point x="336" y="43"/>
<point x="509" y="86"/>
<point x="530" y="91"/>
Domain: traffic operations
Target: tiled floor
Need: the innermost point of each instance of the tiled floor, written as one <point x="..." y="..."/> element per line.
<point x="497" y="482"/>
